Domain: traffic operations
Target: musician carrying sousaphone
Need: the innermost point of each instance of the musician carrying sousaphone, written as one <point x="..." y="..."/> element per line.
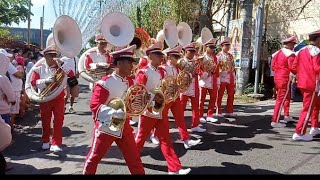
<point x="96" y="62"/>
<point x="46" y="81"/>
<point x="115" y="98"/>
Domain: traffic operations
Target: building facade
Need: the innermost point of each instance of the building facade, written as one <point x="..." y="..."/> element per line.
<point x="35" y="35"/>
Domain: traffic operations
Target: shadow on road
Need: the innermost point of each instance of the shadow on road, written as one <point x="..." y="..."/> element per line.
<point x="25" y="169"/>
<point x="230" y="168"/>
<point x="33" y="136"/>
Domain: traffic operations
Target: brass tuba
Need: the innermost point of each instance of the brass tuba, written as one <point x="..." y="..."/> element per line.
<point x="67" y="39"/>
<point x="209" y="66"/>
<point x="135" y="103"/>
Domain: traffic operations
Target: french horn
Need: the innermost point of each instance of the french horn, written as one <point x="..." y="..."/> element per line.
<point x="170" y="89"/>
<point x="134" y="103"/>
<point x="67" y="39"/>
<point x="155" y="106"/>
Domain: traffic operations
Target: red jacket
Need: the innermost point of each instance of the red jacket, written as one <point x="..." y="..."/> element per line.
<point x="282" y="64"/>
<point x="307" y="65"/>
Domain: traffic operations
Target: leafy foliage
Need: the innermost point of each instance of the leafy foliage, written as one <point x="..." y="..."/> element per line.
<point x="154" y="12"/>
<point x="13" y="11"/>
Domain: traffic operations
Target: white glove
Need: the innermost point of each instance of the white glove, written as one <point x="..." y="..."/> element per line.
<point x="119" y="114"/>
<point x="151" y="102"/>
<point x="218" y="86"/>
<point x="205" y="75"/>
<point x="50" y="79"/>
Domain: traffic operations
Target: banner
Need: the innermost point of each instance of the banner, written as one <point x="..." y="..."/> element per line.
<point x="235" y="33"/>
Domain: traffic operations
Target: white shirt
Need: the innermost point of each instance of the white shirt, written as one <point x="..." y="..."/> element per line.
<point x="12" y="69"/>
<point x="71" y="63"/>
<point x="15" y="82"/>
<point x="29" y="66"/>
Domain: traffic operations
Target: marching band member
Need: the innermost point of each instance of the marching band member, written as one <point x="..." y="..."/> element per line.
<point x="282" y="66"/>
<point x="171" y="69"/>
<point x="109" y="87"/>
<point x="193" y="91"/>
<point x="227" y="78"/>
<point x="151" y="77"/>
<point x="42" y="76"/>
<point x="306" y="66"/>
<point x="209" y="83"/>
<point x="98" y="56"/>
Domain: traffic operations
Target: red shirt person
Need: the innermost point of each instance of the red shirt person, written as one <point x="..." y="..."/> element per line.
<point x="282" y="66"/>
<point x="307" y="67"/>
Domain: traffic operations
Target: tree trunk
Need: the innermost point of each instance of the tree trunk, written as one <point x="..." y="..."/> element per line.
<point x="242" y="77"/>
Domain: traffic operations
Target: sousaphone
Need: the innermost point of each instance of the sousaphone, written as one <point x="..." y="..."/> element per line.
<point x="118" y="31"/>
<point x="67" y="39"/>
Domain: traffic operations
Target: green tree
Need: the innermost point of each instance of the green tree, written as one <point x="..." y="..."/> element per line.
<point x="13" y="11"/>
<point x="154" y="12"/>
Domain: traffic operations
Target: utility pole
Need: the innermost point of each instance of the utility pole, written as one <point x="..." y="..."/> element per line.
<point x="41" y="28"/>
<point x="243" y="72"/>
<point x="29" y="24"/>
<point x="229" y="15"/>
<point x="257" y="45"/>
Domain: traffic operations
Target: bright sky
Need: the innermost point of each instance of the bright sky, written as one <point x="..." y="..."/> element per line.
<point x="49" y="16"/>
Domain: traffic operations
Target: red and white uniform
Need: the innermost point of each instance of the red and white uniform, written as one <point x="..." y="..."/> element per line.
<point x="209" y="83"/>
<point x="227" y="81"/>
<point x="151" y="77"/>
<point x="55" y="106"/>
<point x="306" y="66"/>
<point x="282" y="66"/>
<point x="109" y="87"/>
<point x="192" y="93"/>
<point x="175" y="107"/>
<point x="143" y="62"/>
<point x="95" y="56"/>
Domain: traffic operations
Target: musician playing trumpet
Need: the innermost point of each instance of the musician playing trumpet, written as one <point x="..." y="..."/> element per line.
<point x="151" y="77"/>
<point x="42" y="76"/>
<point x="209" y="81"/>
<point x="110" y="87"/>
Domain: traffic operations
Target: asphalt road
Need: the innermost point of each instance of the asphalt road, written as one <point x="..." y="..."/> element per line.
<point x="247" y="146"/>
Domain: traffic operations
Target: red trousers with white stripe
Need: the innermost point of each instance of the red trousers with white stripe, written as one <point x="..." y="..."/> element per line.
<point x="230" y="91"/>
<point x="212" y="102"/>
<point x="55" y="107"/>
<point x="178" y="114"/>
<point x="310" y="109"/>
<point x="283" y="100"/>
<point x="194" y="107"/>
<point x="102" y="142"/>
<point x="146" y="124"/>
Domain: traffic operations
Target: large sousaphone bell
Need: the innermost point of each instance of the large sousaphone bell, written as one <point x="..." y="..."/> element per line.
<point x="67" y="39"/>
<point x="184" y="34"/>
<point x="170" y="33"/>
